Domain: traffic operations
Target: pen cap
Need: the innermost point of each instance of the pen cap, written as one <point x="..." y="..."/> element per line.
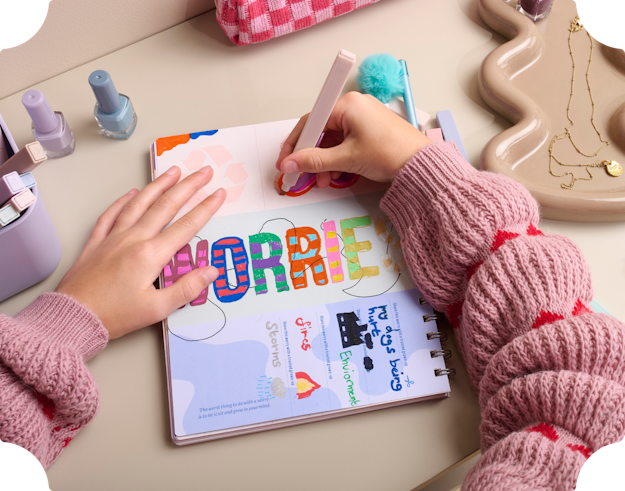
<point x="404" y="67"/>
<point x="40" y="111"/>
<point x="104" y="91"/>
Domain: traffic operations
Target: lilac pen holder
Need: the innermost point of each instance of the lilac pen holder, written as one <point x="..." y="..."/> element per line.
<point x="30" y="249"/>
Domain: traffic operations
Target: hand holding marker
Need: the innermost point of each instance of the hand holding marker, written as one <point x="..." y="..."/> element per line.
<point x="316" y="122"/>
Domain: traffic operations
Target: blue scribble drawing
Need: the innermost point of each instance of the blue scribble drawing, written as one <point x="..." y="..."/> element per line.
<point x="264" y="387"/>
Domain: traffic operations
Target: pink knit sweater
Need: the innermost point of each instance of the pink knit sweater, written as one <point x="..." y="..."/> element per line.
<point x="548" y="371"/>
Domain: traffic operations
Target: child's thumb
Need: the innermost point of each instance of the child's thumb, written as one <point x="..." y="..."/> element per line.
<point x="188" y="288"/>
<point x="316" y="160"/>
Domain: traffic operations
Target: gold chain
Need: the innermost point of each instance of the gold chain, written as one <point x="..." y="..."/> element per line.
<point x="612" y="167"/>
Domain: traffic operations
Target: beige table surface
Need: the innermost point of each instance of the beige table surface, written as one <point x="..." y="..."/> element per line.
<point x="191" y="78"/>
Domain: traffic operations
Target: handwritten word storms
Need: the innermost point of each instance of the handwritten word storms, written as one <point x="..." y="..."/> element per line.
<point x="273" y="335"/>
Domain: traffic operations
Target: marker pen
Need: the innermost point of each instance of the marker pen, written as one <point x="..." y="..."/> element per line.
<point x="49" y="127"/>
<point x="21" y="201"/>
<point x="8" y="214"/>
<point x="321" y="111"/>
<point x="26" y="160"/>
<point x="10" y="185"/>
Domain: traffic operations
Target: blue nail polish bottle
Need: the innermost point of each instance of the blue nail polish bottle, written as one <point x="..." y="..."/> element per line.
<point x="113" y="111"/>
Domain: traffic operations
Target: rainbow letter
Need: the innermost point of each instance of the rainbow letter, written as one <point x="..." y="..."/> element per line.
<point x="259" y="264"/>
<point x="300" y="259"/>
<point x="332" y="249"/>
<point x="352" y="248"/>
<point x="218" y="259"/>
<point x="183" y="263"/>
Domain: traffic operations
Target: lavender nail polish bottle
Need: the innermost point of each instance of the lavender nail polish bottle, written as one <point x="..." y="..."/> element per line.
<point x="535" y="9"/>
<point x="49" y="127"/>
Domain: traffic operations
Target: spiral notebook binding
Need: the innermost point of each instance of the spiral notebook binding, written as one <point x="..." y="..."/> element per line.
<point x="438" y="335"/>
<point x="442" y="337"/>
<point x="445" y="353"/>
<point x="450" y="372"/>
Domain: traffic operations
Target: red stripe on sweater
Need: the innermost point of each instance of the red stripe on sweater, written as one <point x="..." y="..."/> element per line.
<point x="500" y="237"/>
<point x="454" y="311"/>
<point x="472" y="269"/>
<point x="545" y="317"/>
<point x="580" y="308"/>
<point x="46" y="405"/>
<point x="586" y="452"/>
<point x="547" y="431"/>
<point x="531" y="230"/>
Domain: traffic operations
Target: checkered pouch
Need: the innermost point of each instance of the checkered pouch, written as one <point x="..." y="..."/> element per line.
<point x="254" y="21"/>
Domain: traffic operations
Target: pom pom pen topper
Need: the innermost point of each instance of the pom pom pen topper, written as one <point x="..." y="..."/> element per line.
<point x="49" y="127"/>
<point x="113" y="111"/>
<point x="385" y="78"/>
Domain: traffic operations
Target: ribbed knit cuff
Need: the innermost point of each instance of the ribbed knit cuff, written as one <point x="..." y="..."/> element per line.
<point x="525" y="460"/>
<point x="431" y="170"/>
<point x="66" y="321"/>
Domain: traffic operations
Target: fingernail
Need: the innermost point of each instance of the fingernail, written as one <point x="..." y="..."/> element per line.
<point x="172" y="170"/>
<point x="210" y="274"/>
<point x="290" y="166"/>
<point x="132" y="191"/>
<point x="205" y="170"/>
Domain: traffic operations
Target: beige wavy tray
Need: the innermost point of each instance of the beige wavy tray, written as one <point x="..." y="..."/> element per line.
<point x="527" y="80"/>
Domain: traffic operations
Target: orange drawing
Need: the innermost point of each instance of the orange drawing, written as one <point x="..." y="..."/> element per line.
<point x="164" y="144"/>
<point x="305" y="385"/>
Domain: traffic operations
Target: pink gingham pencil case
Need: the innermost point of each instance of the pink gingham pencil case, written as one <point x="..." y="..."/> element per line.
<point x="254" y="21"/>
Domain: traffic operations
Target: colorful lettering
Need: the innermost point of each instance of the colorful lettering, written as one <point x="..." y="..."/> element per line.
<point x="308" y="259"/>
<point x="352" y="248"/>
<point x="183" y="263"/>
<point x="223" y="291"/>
<point x="260" y="264"/>
<point x="333" y="252"/>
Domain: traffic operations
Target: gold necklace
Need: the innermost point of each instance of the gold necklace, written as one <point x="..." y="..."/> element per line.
<point x="612" y="167"/>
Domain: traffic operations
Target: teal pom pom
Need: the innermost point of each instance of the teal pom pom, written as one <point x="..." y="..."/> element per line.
<point x="380" y="75"/>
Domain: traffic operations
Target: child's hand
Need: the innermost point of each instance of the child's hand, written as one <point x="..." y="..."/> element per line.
<point x="128" y="248"/>
<point x="376" y="143"/>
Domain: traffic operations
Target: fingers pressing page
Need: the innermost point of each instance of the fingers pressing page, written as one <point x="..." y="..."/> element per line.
<point x="185" y="290"/>
<point x="167" y="206"/>
<point x="137" y="207"/>
<point x="169" y="241"/>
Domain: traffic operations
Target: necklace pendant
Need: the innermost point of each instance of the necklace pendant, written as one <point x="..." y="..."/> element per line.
<point x="576" y="25"/>
<point x="613" y="168"/>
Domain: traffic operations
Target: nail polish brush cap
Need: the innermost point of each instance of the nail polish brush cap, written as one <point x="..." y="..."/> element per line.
<point x="105" y="92"/>
<point x="40" y="111"/>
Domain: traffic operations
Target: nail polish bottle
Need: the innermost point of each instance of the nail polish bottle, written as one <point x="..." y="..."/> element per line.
<point x="49" y="127"/>
<point x="113" y="111"/>
<point x="535" y="9"/>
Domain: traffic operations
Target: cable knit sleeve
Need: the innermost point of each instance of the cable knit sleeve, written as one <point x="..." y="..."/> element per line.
<point x="46" y="392"/>
<point x="549" y="372"/>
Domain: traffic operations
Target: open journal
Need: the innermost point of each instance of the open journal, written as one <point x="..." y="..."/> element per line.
<point x="314" y="314"/>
